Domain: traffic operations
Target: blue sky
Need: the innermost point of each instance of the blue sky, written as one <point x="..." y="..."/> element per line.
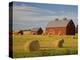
<point x="29" y="15"/>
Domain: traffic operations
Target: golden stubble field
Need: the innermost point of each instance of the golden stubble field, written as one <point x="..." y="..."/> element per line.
<point x="48" y="45"/>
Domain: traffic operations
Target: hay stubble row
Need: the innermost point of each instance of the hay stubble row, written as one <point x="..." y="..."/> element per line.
<point x="21" y="44"/>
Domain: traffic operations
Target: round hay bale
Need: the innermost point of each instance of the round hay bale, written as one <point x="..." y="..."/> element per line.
<point x="32" y="46"/>
<point x="57" y="43"/>
<point x="49" y="44"/>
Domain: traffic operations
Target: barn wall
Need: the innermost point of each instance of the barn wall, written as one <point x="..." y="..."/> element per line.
<point x="56" y="31"/>
<point x="70" y="29"/>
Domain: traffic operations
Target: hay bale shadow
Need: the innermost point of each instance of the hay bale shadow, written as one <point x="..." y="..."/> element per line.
<point x="61" y="42"/>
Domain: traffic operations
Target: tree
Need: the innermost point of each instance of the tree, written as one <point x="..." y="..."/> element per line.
<point x="20" y="32"/>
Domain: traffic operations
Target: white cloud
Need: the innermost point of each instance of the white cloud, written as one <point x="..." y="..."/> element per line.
<point x="29" y="9"/>
<point x="28" y="14"/>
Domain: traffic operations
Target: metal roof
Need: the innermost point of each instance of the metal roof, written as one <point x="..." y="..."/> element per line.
<point x="58" y="23"/>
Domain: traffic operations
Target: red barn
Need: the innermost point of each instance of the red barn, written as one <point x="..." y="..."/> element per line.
<point x="61" y="27"/>
<point x="36" y="31"/>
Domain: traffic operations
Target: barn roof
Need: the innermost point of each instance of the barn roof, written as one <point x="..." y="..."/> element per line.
<point x="35" y="29"/>
<point x="58" y="23"/>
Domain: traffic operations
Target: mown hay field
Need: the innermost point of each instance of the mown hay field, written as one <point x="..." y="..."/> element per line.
<point x="47" y="45"/>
